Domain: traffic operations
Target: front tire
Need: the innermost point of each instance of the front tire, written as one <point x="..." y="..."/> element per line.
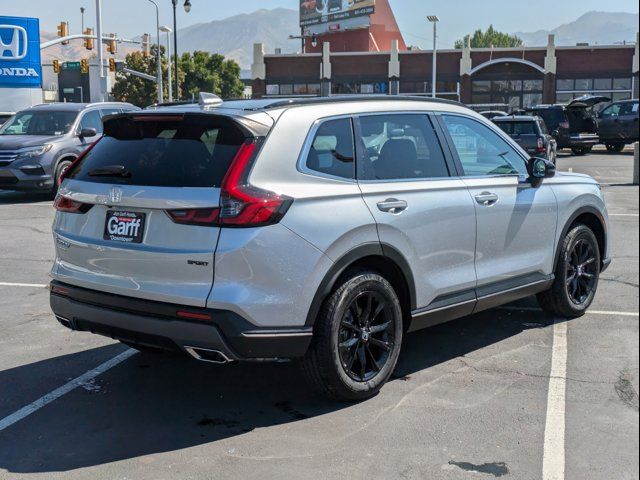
<point x="357" y="338"/>
<point x="615" y="147"/>
<point x="577" y="275"/>
<point x="61" y="168"/>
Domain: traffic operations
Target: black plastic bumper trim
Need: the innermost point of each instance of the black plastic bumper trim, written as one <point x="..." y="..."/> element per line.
<point x="156" y="324"/>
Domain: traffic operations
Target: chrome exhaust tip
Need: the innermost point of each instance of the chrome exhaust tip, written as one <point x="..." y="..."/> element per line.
<point x="210" y="356"/>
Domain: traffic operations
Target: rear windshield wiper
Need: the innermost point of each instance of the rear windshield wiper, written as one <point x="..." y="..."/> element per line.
<point x="111" y="171"/>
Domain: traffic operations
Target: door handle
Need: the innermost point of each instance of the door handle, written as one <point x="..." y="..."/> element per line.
<point x="393" y="205"/>
<point x="487" y="199"/>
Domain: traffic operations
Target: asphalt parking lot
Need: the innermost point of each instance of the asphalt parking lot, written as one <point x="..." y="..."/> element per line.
<point x="469" y="399"/>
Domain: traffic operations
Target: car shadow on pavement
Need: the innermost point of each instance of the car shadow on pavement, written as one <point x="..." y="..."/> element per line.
<point x="152" y="404"/>
<point x="11" y="197"/>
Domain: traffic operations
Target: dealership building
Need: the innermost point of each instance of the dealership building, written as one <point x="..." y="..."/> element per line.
<point x="366" y="54"/>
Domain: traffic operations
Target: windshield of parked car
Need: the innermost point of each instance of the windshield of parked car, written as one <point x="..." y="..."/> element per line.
<point x="49" y="122"/>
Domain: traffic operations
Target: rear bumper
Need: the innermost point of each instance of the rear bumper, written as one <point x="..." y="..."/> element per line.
<point x="583" y="141"/>
<point x="155" y="324"/>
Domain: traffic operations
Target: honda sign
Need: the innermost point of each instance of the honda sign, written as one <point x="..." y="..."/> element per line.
<point x="20" y="65"/>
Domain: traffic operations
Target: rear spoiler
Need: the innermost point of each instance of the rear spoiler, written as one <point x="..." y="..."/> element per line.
<point x="248" y="127"/>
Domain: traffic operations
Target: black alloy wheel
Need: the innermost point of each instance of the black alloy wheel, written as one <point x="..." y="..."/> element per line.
<point x="582" y="272"/>
<point x="366" y="336"/>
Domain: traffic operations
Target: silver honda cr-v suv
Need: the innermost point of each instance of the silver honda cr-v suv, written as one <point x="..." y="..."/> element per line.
<point x="317" y="229"/>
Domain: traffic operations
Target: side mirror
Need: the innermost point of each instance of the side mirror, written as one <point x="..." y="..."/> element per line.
<point x="88" y="132"/>
<point x="555" y="133"/>
<point x="539" y="169"/>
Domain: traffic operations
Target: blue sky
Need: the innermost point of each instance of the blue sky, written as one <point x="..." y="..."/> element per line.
<point x="133" y="17"/>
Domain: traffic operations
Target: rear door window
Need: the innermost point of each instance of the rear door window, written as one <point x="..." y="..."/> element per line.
<point x="194" y="151"/>
<point x="331" y="152"/>
<point x="400" y="147"/>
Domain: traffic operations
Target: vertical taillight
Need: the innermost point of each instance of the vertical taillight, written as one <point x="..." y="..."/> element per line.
<point x="241" y="205"/>
<point x="540" y="147"/>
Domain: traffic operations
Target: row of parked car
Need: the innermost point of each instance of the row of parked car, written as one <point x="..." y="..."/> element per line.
<point x="544" y="129"/>
<point x="38" y="144"/>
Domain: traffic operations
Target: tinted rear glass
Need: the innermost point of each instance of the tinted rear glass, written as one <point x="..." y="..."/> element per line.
<point x="195" y="151"/>
<point x="518" y="128"/>
<point x="552" y="117"/>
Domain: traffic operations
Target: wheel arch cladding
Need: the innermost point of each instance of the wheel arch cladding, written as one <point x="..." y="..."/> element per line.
<point x="593" y="219"/>
<point x="382" y="258"/>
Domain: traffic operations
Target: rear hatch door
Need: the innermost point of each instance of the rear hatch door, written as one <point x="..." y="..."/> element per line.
<point x="148" y="194"/>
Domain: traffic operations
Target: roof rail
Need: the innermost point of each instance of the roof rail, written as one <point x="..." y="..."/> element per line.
<point x="293" y="102"/>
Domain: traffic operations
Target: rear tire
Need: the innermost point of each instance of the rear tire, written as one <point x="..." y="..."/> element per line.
<point x="579" y="151"/>
<point x="615" y="147"/>
<point x="577" y="275"/>
<point x="357" y="338"/>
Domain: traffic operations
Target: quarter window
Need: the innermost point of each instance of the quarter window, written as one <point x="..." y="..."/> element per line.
<point x="400" y="147"/>
<point x="331" y="152"/>
<point x="481" y="150"/>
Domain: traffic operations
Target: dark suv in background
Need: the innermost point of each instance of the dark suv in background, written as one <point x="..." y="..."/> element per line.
<point x="38" y="144"/>
<point x="618" y="125"/>
<point x="574" y="125"/>
<point x="530" y="132"/>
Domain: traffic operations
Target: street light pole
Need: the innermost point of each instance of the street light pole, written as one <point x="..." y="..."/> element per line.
<point x="82" y="16"/>
<point x="158" y="57"/>
<point x="434" y="19"/>
<point x="103" y="80"/>
<point x="168" y="31"/>
<point x="175" y="48"/>
<point x="187" y="9"/>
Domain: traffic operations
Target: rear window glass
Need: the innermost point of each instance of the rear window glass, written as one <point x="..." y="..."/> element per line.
<point x="518" y="128"/>
<point x="166" y="152"/>
<point x="552" y="116"/>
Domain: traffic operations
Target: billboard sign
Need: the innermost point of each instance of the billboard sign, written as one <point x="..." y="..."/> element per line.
<point x="20" y="65"/>
<point x="314" y="12"/>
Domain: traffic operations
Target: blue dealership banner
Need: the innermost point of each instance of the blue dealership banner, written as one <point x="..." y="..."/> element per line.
<point x="20" y="65"/>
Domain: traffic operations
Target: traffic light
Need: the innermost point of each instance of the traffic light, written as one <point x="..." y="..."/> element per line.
<point x="56" y="66"/>
<point x="112" y="64"/>
<point x="88" y="42"/>
<point x="63" y="31"/>
<point x="146" y="45"/>
<point x="84" y="66"/>
<point x="113" y="44"/>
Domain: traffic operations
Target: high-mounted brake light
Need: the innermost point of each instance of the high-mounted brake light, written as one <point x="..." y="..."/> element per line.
<point x="67" y="205"/>
<point x="241" y="205"/>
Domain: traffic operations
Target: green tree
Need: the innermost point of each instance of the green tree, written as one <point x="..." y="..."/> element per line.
<point x="206" y="72"/>
<point x="136" y="90"/>
<point x="489" y="38"/>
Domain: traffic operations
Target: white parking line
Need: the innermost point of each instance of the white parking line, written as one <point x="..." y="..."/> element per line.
<point x="589" y="312"/>
<point x="26" y="285"/>
<point x="553" y="461"/>
<point x="624" y="214"/>
<point x="66" y="388"/>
